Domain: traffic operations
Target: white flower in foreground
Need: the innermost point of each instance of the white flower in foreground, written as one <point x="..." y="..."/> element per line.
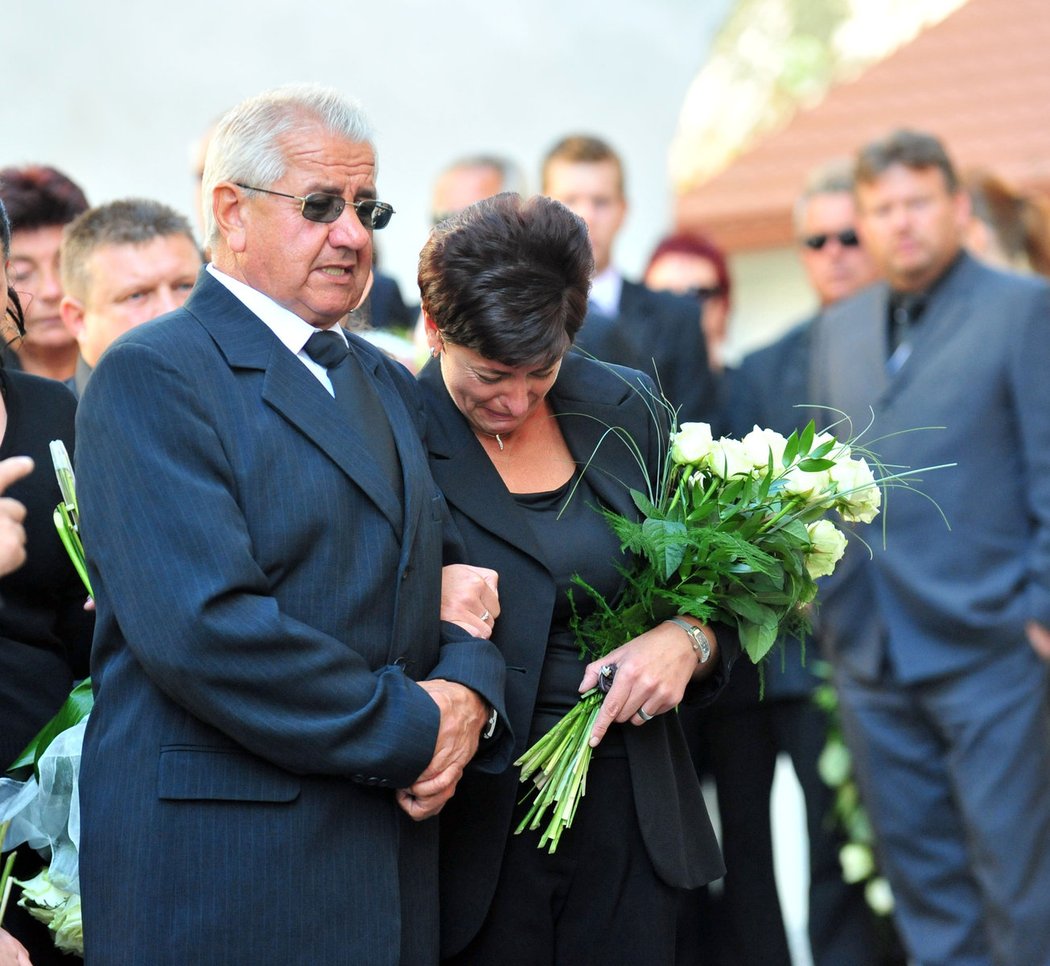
<point x="838" y="452"/>
<point x="729" y="458"/>
<point x="879" y="896"/>
<point x="68" y="928"/>
<point x="691" y="443"/>
<point x="857" y="862"/>
<point x="807" y="484"/>
<point x="40" y="898"/>
<point x="829" y="544"/>
<point x="761" y="443"/>
<point x="860" y="496"/>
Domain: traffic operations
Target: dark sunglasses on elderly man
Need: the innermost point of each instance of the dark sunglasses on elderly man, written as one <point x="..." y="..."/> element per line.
<point x="847" y="239"/>
<point x="326" y="208"/>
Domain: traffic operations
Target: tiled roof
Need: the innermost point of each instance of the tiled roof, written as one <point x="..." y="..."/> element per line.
<point x="979" y="80"/>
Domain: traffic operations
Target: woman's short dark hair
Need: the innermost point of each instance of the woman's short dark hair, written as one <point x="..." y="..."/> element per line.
<point x="38" y="196"/>
<point x="508" y="278"/>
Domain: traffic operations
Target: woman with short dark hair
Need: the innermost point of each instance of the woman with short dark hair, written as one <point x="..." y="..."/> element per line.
<point x="518" y="444"/>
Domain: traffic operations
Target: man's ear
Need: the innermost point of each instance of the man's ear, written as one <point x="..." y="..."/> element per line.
<point x="227" y="206"/>
<point x="71" y="311"/>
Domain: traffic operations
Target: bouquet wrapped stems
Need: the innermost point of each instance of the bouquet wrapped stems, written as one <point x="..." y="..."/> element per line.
<point x="559" y="762"/>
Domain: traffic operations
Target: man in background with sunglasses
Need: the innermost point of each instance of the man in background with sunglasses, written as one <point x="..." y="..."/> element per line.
<point x="744" y="734"/>
<point x="277" y="704"/>
<point x="836" y="263"/>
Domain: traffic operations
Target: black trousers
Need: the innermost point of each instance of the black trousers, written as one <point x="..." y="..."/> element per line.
<point x="596" y="900"/>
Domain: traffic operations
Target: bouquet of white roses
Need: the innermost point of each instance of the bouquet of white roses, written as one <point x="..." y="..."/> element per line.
<point x="735" y="531"/>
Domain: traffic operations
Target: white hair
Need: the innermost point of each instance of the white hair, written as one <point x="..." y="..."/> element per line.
<point x="246" y="146"/>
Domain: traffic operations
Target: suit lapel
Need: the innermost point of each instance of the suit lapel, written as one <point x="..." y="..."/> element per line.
<point x="290" y="389"/>
<point x="848" y="357"/>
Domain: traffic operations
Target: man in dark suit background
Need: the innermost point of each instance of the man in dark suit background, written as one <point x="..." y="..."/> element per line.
<point x="626" y="322"/>
<point x="941" y="641"/>
<point x="738" y="739"/>
<point x="276" y="698"/>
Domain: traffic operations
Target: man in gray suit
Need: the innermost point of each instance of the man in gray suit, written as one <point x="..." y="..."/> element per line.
<point x="940" y="640"/>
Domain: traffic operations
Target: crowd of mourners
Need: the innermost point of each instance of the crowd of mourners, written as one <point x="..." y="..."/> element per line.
<point x="332" y="529"/>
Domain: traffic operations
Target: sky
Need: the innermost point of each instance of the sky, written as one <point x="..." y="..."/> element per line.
<point x="115" y="93"/>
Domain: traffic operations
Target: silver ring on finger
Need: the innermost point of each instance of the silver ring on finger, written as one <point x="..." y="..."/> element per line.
<point x="644" y="715"/>
<point x="485" y="617"/>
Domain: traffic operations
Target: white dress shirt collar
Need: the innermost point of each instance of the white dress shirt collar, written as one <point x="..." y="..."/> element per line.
<point x="606" y="288"/>
<point x="291" y="330"/>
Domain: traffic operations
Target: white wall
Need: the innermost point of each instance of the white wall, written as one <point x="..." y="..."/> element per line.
<point x="114" y="92"/>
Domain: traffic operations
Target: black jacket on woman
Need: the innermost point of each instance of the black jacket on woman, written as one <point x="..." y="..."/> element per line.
<point x="45" y="634"/>
<point x="588" y="397"/>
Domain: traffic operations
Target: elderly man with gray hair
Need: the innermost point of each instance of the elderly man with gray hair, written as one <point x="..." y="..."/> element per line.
<point x="278" y="705"/>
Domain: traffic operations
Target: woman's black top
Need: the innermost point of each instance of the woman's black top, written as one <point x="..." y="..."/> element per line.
<point x="45" y="634"/>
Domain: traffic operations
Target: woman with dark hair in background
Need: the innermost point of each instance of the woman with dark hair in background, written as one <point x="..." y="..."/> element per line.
<point x="45" y="633"/>
<point x="518" y="444"/>
<point x="40" y="202"/>
<point x="694" y="265"/>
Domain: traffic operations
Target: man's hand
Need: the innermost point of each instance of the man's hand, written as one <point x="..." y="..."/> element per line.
<point x="12" y="952"/>
<point x="469" y="598"/>
<point x="1039" y="638"/>
<point x="463" y="715"/>
<point x="12" y="513"/>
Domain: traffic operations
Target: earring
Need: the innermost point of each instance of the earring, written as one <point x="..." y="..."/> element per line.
<point x="435" y="351"/>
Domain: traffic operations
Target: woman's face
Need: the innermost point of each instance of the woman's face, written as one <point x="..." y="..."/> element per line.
<point x="495" y="398"/>
<point x="34" y="274"/>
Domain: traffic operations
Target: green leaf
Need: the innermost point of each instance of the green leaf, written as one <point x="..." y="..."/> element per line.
<point x="751" y="610"/>
<point x="74" y="710"/>
<point x="757" y="640"/>
<point x="805" y="440"/>
<point x="812" y="465"/>
<point x="664" y="544"/>
<point x="643" y="503"/>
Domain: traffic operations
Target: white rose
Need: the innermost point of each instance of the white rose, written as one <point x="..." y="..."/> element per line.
<point x="68" y="927"/>
<point x="879" y="896"/>
<point x="691" y="443"/>
<point x="806" y="484"/>
<point x="839" y="451"/>
<point x="857" y="862"/>
<point x="760" y="443"/>
<point x="859" y="495"/>
<point x="729" y="458"/>
<point x="828" y="546"/>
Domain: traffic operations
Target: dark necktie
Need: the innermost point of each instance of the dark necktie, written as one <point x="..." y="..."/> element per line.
<point x="905" y="312"/>
<point x="358" y="398"/>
